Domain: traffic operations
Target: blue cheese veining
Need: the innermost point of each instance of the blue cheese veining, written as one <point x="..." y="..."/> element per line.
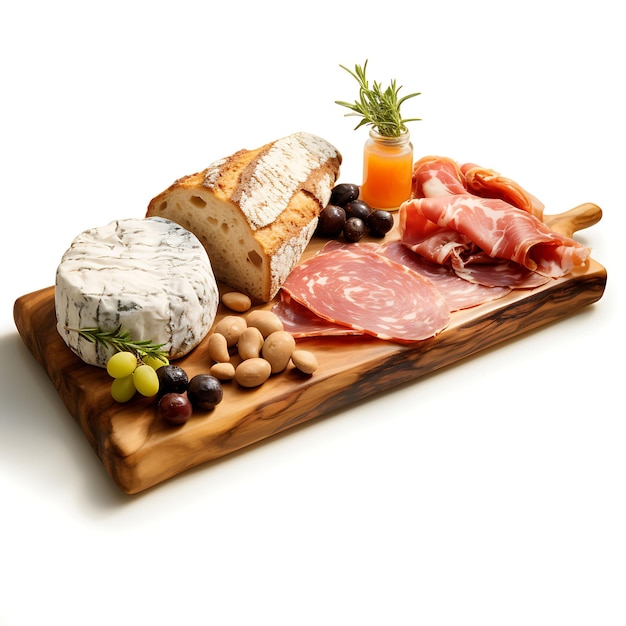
<point x="151" y="276"/>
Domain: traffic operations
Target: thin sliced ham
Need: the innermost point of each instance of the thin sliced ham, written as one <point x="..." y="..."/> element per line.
<point x="354" y="287"/>
<point x="460" y="293"/>
<point x="459" y="225"/>
<point x="435" y="176"/>
<point x="483" y="270"/>
<point x="488" y="183"/>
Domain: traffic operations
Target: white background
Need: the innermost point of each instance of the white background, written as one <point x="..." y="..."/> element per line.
<point x="492" y="492"/>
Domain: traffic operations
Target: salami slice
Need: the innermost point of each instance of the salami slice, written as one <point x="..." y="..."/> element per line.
<point x="355" y="287"/>
<point x="301" y="322"/>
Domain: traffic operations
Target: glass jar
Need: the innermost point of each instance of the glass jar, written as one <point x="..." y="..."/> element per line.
<point x="387" y="170"/>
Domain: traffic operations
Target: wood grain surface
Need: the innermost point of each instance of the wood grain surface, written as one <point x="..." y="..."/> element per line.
<point x="139" y="451"/>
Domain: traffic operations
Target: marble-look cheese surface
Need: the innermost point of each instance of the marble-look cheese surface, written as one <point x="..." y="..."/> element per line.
<point x="151" y="276"/>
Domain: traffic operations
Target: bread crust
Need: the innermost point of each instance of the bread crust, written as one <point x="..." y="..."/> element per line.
<point x="256" y="210"/>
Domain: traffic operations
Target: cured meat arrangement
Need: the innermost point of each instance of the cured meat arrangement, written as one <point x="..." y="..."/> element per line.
<point x="467" y="236"/>
<point x="333" y="293"/>
<point x="487" y="238"/>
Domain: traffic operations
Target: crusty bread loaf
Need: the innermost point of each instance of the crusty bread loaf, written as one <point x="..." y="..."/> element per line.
<point x="256" y="210"/>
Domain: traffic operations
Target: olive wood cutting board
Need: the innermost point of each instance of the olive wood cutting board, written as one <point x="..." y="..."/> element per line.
<point x="139" y="450"/>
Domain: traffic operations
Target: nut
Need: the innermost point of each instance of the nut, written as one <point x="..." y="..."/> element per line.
<point x="250" y="343"/>
<point x="277" y="349"/>
<point x="231" y="326"/>
<point x="305" y="361"/>
<point x="236" y="301"/>
<point x="223" y="371"/>
<point x="253" y="372"/>
<point x="218" y="348"/>
<point x="266" y="321"/>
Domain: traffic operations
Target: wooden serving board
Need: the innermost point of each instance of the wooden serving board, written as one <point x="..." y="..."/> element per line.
<point x="140" y="451"/>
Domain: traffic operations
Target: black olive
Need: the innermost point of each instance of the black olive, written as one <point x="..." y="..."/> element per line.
<point x="344" y="193"/>
<point x="354" y="229"/>
<point x="205" y="392"/>
<point x="331" y="221"/>
<point x="379" y="222"/>
<point x="358" y="208"/>
<point x="172" y="379"/>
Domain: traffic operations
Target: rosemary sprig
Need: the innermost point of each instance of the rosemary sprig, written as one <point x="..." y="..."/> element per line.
<point x="377" y="107"/>
<point x="121" y="341"/>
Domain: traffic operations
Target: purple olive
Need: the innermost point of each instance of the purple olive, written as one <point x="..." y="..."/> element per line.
<point x="331" y="221"/>
<point x="380" y="222"/>
<point x="344" y="193"/>
<point x="354" y="229"/>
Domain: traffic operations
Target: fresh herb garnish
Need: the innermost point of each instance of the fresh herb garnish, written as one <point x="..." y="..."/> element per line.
<point x="377" y="107"/>
<point x="121" y="341"/>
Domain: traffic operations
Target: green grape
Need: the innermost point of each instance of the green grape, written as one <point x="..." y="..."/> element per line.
<point x="121" y="364"/>
<point x="123" y="389"/>
<point x="155" y="362"/>
<point x="146" y="380"/>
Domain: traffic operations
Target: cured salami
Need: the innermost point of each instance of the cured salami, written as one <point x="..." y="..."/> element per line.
<point x="444" y="222"/>
<point x="354" y="287"/>
<point x="301" y="322"/>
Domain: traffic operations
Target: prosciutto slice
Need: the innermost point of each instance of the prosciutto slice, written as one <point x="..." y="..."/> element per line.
<point x="451" y="225"/>
<point x="488" y="272"/>
<point x="458" y="292"/>
<point x="490" y="184"/>
<point x="435" y="176"/>
<point x="354" y="287"/>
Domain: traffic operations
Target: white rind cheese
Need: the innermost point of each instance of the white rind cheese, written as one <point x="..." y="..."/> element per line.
<point x="151" y="276"/>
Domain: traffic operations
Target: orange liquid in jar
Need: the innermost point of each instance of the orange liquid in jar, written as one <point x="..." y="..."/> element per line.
<point x="387" y="171"/>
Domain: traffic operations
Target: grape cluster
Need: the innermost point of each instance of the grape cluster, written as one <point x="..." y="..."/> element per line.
<point x="151" y="377"/>
<point x="347" y="215"/>
<point x="131" y="375"/>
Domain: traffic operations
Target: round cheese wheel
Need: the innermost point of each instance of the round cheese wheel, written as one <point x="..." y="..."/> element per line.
<point x="149" y="276"/>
